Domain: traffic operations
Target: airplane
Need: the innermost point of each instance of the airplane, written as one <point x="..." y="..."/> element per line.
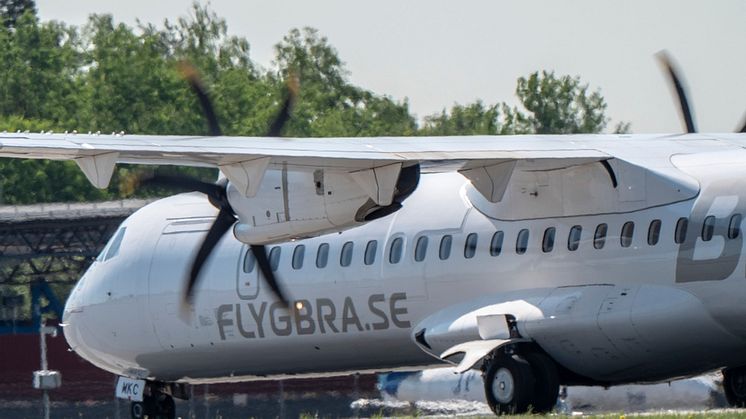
<point x="539" y="260"/>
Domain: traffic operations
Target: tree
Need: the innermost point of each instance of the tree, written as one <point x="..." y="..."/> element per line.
<point x="550" y="105"/>
<point x="328" y="104"/>
<point x="12" y="10"/>
<point x="473" y="119"/>
<point x="558" y="105"/>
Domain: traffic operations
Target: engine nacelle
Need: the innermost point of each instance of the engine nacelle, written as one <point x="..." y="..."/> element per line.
<point x="297" y="203"/>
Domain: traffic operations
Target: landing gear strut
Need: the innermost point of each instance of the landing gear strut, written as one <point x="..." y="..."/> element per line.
<point x="516" y="384"/>
<point x="734" y="384"/>
<point x="157" y="403"/>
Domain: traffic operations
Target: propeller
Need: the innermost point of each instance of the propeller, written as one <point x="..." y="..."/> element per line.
<point x="673" y="73"/>
<point x="217" y="192"/>
<point x="686" y="113"/>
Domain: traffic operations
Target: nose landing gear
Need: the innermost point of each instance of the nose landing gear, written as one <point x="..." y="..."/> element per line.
<point x="158" y="401"/>
<point x="515" y="384"/>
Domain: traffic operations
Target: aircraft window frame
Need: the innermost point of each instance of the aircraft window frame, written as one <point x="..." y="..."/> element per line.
<point x="369" y="257"/>
<point x="115" y="244"/>
<point x="274" y="258"/>
<point x="496" y="243"/>
<point x="547" y="242"/>
<point x="444" y="250"/>
<point x="322" y="255"/>
<point x="654" y="232"/>
<point x="573" y="238"/>
<point x="734" y="226"/>
<point x="249" y="261"/>
<point x="470" y="245"/>
<point x="521" y="241"/>
<point x="599" y="236"/>
<point x="627" y="234"/>
<point x="396" y="250"/>
<point x="708" y="228"/>
<point x="420" y="249"/>
<point x="679" y="235"/>
<point x="345" y="255"/>
<point x="299" y="254"/>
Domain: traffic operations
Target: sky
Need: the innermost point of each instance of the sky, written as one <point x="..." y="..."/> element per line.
<point x="436" y="53"/>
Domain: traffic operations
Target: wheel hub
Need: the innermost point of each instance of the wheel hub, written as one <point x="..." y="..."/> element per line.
<point x="503" y="386"/>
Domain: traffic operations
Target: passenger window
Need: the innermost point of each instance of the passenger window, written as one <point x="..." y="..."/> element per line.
<point x="370" y="252"/>
<point x="628" y="230"/>
<point x="547" y="243"/>
<point x="521" y="242"/>
<point x="445" y="247"/>
<point x="708" y="228"/>
<point x="734" y="227"/>
<point x="680" y="233"/>
<point x="116" y="243"/>
<point x="249" y="261"/>
<point x="496" y="244"/>
<point x="654" y="232"/>
<point x="322" y="255"/>
<point x="420" y="250"/>
<point x="395" y="252"/>
<point x="345" y="257"/>
<point x="599" y="238"/>
<point x="573" y="240"/>
<point x="470" y="246"/>
<point x="298" y="255"/>
<point x="274" y="258"/>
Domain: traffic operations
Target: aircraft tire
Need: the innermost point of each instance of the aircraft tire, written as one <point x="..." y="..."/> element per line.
<point x="509" y="385"/>
<point x="165" y="408"/>
<point x="161" y="406"/>
<point x="546" y="386"/>
<point x="139" y="410"/>
<point x="734" y="385"/>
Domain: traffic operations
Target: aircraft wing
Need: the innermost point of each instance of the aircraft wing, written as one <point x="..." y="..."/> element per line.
<point x="241" y="158"/>
<point x="343" y="153"/>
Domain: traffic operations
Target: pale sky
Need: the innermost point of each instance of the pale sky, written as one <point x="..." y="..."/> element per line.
<point x="439" y="52"/>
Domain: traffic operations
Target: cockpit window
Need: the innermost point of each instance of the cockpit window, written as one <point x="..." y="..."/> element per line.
<point x="114" y="244"/>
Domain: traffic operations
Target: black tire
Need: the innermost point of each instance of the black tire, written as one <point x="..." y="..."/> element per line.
<point x="546" y="386"/>
<point x="138" y="410"/>
<point x="165" y="408"/>
<point x="734" y="385"/>
<point x="509" y="385"/>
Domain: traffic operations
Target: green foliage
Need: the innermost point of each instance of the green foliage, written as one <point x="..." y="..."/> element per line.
<point x="109" y="77"/>
<point x="551" y="105"/>
<point x="12" y="10"/>
<point x="329" y="106"/>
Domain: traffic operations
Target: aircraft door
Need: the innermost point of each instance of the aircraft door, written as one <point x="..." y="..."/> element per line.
<point x="168" y="272"/>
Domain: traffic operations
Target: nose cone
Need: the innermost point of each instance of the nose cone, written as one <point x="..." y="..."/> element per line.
<point x="72" y="316"/>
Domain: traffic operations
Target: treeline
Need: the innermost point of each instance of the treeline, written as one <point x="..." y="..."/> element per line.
<point x="109" y="77"/>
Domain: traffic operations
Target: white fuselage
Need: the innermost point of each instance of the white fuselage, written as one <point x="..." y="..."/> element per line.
<point x="123" y="315"/>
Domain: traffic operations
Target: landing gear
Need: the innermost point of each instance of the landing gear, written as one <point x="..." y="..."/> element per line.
<point x="516" y="384"/>
<point x="734" y="384"/>
<point x="160" y="406"/>
<point x="157" y="403"/>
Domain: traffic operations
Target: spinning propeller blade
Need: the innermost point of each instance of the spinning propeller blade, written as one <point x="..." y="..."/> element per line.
<point x="673" y="73"/>
<point x="217" y="192"/>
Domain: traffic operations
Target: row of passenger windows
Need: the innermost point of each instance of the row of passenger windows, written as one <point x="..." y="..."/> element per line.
<point x="396" y="250"/>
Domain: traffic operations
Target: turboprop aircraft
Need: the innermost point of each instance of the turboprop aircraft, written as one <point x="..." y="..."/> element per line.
<point x="539" y="260"/>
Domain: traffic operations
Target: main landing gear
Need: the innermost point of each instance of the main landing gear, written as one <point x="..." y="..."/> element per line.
<point x="158" y="401"/>
<point x="519" y="383"/>
<point x="734" y="384"/>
